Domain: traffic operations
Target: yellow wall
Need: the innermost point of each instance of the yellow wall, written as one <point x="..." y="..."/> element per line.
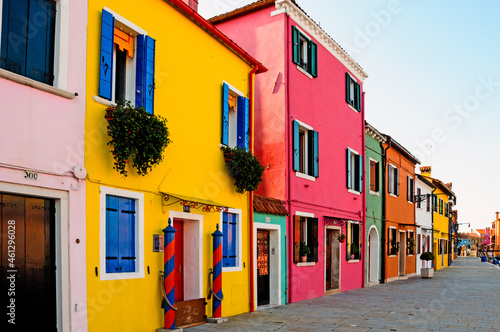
<point x="189" y="71"/>
<point x="441" y="229"/>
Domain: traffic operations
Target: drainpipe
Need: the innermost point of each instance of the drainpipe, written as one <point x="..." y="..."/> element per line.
<point x="250" y="197"/>
<point x="288" y="158"/>
<point x="384" y="208"/>
<point x="363" y="216"/>
<point x="432" y="234"/>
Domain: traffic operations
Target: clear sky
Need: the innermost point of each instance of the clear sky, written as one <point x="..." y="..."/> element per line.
<point x="434" y="79"/>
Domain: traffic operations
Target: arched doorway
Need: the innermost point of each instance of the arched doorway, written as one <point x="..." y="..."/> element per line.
<point x="373" y="255"/>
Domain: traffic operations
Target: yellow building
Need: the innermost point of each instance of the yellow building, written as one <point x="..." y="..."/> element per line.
<point x="443" y="200"/>
<point x="162" y="55"/>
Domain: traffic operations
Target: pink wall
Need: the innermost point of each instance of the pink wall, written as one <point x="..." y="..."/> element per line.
<point x="43" y="132"/>
<point x="320" y="103"/>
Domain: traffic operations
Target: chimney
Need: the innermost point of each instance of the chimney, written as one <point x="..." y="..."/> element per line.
<point x="497" y="214"/>
<point x="449" y="185"/>
<point x="425" y="171"/>
<point x="192" y="3"/>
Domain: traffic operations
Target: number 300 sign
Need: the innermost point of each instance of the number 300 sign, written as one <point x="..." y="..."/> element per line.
<point x="33" y="176"/>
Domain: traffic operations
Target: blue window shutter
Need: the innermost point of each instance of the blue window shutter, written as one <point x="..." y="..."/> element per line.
<point x="106" y="59"/>
<point x="313" y="58"/>
<point x="360" y="163"/>
<point x="14" y="36"/>
<point x="140" y="71"/>
<point x="225" y="239"/>
<point x="225" y="114"/>
<point x="315" y="154"/>
<point x="349" y="168"/>
<point x="111" y="234"/>
<point x="145" y="73"/>
<point x="296" y="45"/>
<point x="126" y="235"/>
<point x="243" y="123"/>
<point x="296" y="146"/>
<point x="231" y="240"/>
<point x="347" y="88"/>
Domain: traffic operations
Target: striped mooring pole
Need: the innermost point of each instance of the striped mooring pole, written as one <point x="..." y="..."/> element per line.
<point x="217" y="277"/>
<point x="169" y="266"/>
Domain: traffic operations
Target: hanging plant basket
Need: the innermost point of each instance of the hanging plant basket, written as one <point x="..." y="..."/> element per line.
<point x="341" y="237"/>
<point x="244" y="167"/>
<point x="137" y="137"/>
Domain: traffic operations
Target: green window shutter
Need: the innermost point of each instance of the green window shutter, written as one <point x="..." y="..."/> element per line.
<point x="348" y="88"/>
<point x="360" y="178"/>
<point x="313" y="56"/>
<point x="296" y="146"/>
<point x="315" y="154"/>
<point x="349" y="168"/>
<point x="296" y="45"/>
<point x="357" y="94"/>
<point x="397" y="181"/>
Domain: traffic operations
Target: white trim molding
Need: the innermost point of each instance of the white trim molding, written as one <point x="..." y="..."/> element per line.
<point x="314" y="30"/>
<point x="239" y="244"/>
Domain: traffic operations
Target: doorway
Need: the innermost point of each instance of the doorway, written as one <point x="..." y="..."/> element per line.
<point x="28" y="262"/>
<point x="332" y="260"/>
<point x="402" y="253"/>
<point x="373" y="256"/>
<point x="263" y="282"/>
<point x="179" y="260"/>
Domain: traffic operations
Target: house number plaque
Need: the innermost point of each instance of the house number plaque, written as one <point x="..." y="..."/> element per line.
<point x="33" y="176"/>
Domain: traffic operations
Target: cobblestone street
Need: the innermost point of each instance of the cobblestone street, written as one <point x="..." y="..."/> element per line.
<point x="462" y="297"/>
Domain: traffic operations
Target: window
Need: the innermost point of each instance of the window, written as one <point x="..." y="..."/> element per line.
<point x="305" y="52"/>
<point x="28" y="38"/>
<point x="353" y="248"/>
<point x="446" y="209"/>
<point x="305" y="230"/>
<point x="229" y="245"/>
<point x="353" y="92"/>
<point x="235" y="118"/>
<point x="374" y="176"/>
<point x="410" y="243"/>
<point x="354" y="171"/>
<point x="121" y="234"/>
<point x="440" y="206"/>
<point x="428" y="204"/>
<point x="305" y="149"/>
<point x="392" y="241"/>
<point x="410" y="189"/>
<point x="393" y="180"/>
<point x="434" y="202"/>
<point x="127" y="62"/>
<point x="419" y="202"/>
<point x="419" y="244"/>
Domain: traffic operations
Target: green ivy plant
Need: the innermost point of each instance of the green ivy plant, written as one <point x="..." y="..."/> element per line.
<point x="137" y="137"/>
<point x="245" y="168"/>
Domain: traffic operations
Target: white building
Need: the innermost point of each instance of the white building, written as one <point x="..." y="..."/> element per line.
<point x="423" y="218"/>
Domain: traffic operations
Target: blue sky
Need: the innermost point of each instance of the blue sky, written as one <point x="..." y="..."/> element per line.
<point x="434" y="78"/>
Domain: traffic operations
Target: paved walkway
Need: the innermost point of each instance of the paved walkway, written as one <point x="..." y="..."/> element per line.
<point x="462" y="297"/>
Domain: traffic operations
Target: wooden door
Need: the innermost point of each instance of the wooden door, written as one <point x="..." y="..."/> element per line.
<point x="332" y="262"/>
<point x="28" y="273"/>
<point x="179" y="260"/>
<point x="263" y="282"/>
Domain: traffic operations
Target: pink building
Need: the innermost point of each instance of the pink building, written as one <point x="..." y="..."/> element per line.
<point x="42" y="178"/>
<point x="309" y="132"/>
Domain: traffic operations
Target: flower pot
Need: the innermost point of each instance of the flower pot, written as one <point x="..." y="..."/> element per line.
<point x="303" y="258"/>
<point x="342" y="240"/>
<point x="352" y="257"/>
<point x="228" y="156"/>
<point x="427" y="273"/>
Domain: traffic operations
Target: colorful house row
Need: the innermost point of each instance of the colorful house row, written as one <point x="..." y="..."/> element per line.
<point x="116" y="247"/>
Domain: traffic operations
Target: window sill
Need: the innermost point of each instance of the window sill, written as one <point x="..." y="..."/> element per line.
<point x="375" y="193"/>
<point x="410" y="202"/>
<point x="392" y="195"/>
<point x="306" y="264"/>
<point x="353" y="261"/>
<point x="102" y="101"/>
<point x="303" y="71"/>
<point x="36" y="85"/>
<point x="305" y="176"/>
<point x="231" y="269"/>
<point x="352" y="108"/>
<point x="352" y="191"/>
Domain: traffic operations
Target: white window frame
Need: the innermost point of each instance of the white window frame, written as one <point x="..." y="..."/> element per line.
<point x="392" y="175"/>
<point x="239" y="263"/>
<point x="410" y="195"/>
<point x="232" y="139"/>
<point x="354" y="165"/>
<point x="139" y="234"/>
<point x="305" y="175"/>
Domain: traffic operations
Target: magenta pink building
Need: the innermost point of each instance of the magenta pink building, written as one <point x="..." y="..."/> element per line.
<point x="309" y="132"/>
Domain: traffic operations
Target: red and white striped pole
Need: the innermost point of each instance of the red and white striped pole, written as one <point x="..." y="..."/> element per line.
<point x="169" y="266"/>
<point x="217" y="277"/>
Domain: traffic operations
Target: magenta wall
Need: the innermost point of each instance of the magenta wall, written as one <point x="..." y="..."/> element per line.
<point x="320" y="103"/>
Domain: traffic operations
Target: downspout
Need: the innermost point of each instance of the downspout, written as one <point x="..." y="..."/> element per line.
<point x="250" y="197"/>
<point x="384" y="208"/>
<point x="432" y="232"/>
<point x="288" y="158"/>
<point x="363" y="216"/>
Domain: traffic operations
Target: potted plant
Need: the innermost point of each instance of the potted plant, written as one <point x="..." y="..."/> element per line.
<point x="138" y="138"/>
<point x="341" y="237"/>
<point x="244" y="167"/>
<point x="411" y="245"/>
<point x="354" y="250"/>
<point x="394" y="248"/>
<point x="304" y="251"/>
<point x="427" y="272"/>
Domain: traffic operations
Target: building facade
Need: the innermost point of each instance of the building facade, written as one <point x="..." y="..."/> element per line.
<point x="423" y="218"/>
<point x="204" y="89"/>
<point x="311" y="139"/>
<point x="400" y="228"/>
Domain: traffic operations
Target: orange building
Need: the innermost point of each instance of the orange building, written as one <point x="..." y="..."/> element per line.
<point x="495" y="238"/>
<point x="400" y="253"/>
